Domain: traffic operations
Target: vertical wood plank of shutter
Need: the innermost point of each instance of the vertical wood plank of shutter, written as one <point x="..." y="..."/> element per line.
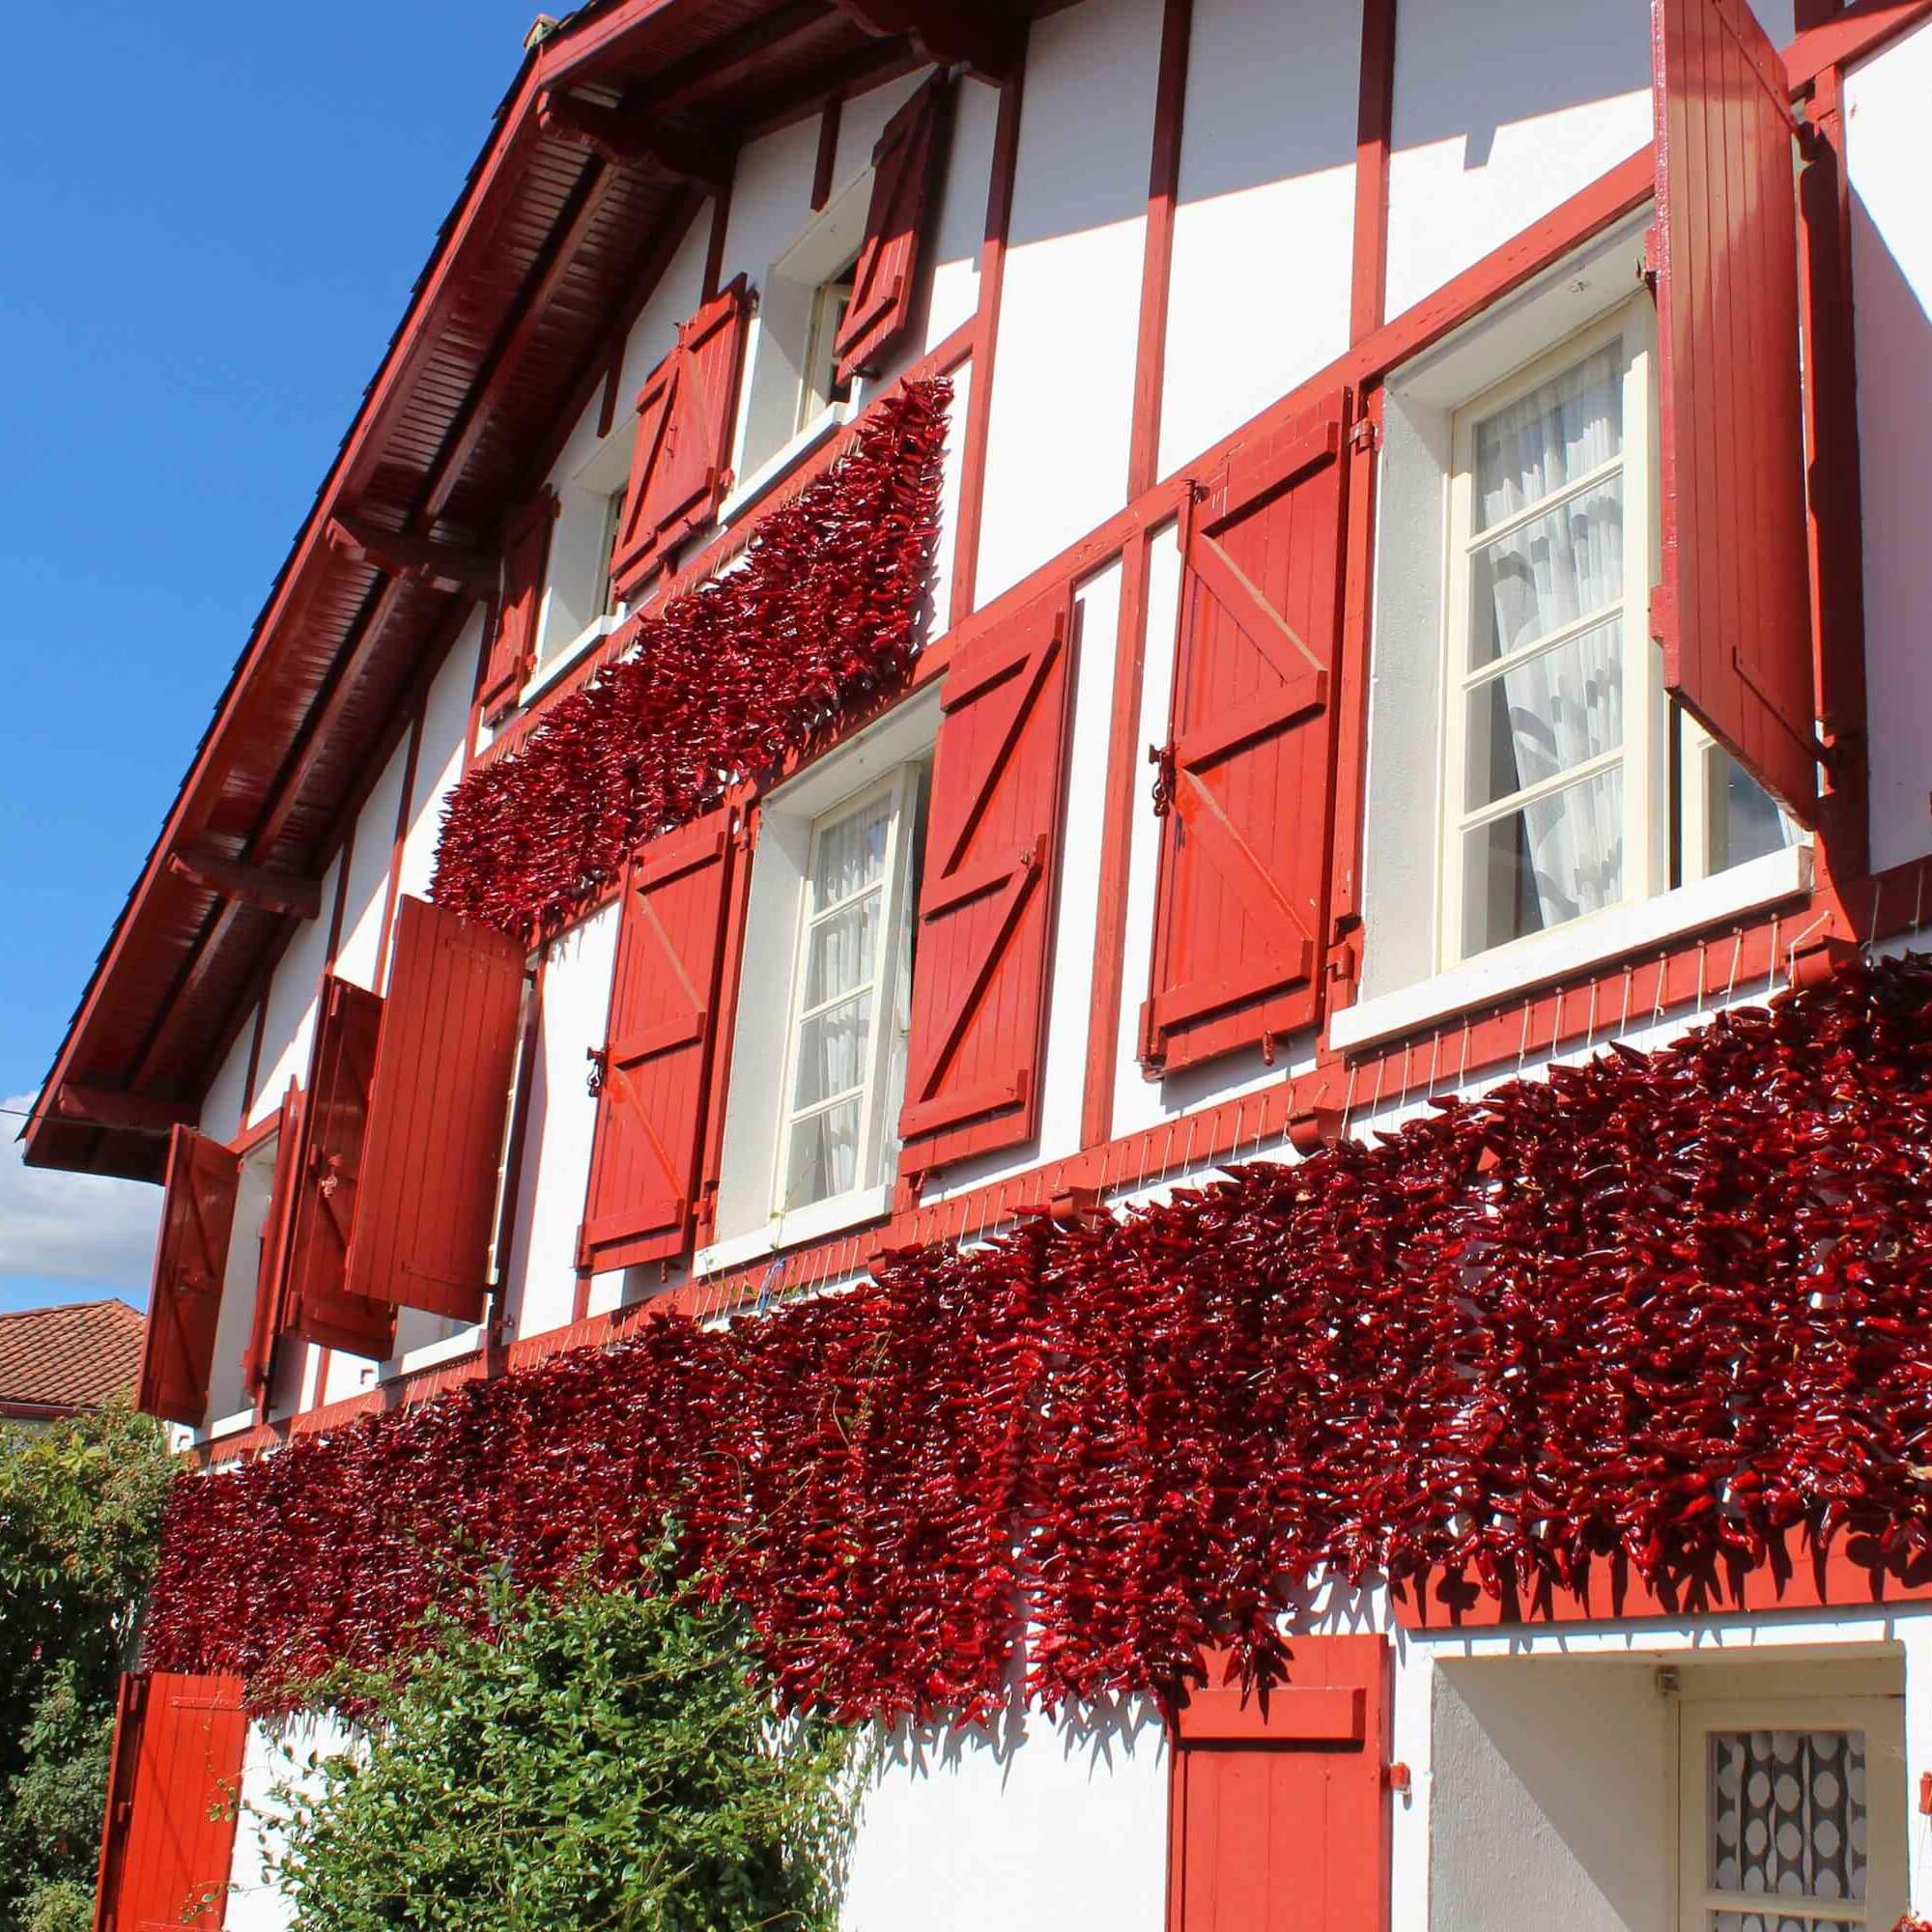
<point x="1352" y="683"/>
<point x="985" y="340"/>
<point x="1124" y="769"/>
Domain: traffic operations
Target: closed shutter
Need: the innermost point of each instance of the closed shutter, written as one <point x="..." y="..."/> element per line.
<point x="985" y="916"/>
<point x="884" y="276"/>
<point x="270" y="1316"/>
<point x="513" y="646"/>
<point x="438" y="1105"/>
<point x="1733" y="607"/>
<point x="174" y="1798"/>
<point x="681" y="900"/>
<point x="1279" y="1817"/>
<point x="1247" y="777"/>
<point x="334" y="1125"/>
<point x="190" y="1260"/>
<point x="681" y="463"/>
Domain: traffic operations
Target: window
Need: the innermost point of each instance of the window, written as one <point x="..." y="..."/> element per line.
<point x="607" y="602"/>
<point x="820" y="389"/>
<point x="845" y="1060"/>
<point x="1798" y="1803"/>
<point x="1561" y="755"/>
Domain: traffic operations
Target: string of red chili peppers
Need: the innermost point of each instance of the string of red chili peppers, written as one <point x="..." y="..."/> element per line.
<point x="1657" y="1308"/>
<point x="821" y="616"/>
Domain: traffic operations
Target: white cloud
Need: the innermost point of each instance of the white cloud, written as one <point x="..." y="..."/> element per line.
<point x="72" y="1226"/>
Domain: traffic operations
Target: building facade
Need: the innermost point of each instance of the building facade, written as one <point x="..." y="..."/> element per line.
<point x="938" y="615"/>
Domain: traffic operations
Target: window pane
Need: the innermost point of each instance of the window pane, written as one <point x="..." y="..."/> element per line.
<point x="1552" y="570"/>
<point x="1745" y="820"/>
<point x="824" y="1155"/>
<point x="851" y="854"/>
<point x="832" y="1051"/>
<point x="841" y="950"/>
<point x="1547" y="863"/>
<point x="1787" y="1812"/>
<point x="1544" y="440"/>
<point x="1541" y="717"/>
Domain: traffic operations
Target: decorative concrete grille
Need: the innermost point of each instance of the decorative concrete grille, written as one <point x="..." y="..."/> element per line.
<point x="1787" y="1812"/>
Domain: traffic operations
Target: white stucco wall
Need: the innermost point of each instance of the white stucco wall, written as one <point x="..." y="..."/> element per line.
<point x="355" y="957"/>
<point x="294" y="994"/>
<point x="1263" y="221"/>
<point x="281" y="1761"/>
<point x="1892" y="271"/>
<point x="1069" y="316"/>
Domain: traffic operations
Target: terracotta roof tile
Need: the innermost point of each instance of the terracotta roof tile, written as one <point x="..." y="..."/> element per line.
<point x="73" y="1357"/>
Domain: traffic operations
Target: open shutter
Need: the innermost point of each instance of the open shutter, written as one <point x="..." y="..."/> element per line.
<point x="270" y="1316"/>
<point x="334" y="1126"/>
<point x="174" y="1798"/>
<point x="190" y="1260"/>
<point x="513" y="646"/>
<point x="681" y="463"/>
<point x="1279" y="1817"/>
<point x="1733" y="608"/>
<point x="1247" y="777"/>
<point x="680" y="896"/>
<point x="438" y="1105"/>
<point x="980" y="961"/>
<point x="884" y="276"/>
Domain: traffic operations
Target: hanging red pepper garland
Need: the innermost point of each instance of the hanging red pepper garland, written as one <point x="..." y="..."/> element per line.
<point x="1665" y="1306"/>
<point x="820" y="617"/>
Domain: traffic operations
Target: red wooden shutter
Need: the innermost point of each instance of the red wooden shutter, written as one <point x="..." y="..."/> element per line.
<point x="271" y="1316"/>
<point x="1247" y="780"/>
<point x="680" y="898"/>
<point x="436" y="1109"/>
<point x="190" y="1260"/>
<point x="1733" y="608"/>
<point x="980" y="961"/>
<point x="334" y="1125"/>
<point x="1279" y="1817"/>
<point x="174" y="1797"/>
<point x="513" y="646"/>
<point x="884" y="276"/>
<point x="681" y="463"/>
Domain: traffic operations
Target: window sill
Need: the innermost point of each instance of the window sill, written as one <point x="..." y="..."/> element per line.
<point x="553" y="667"/>
<point x="228" y="1425"/>
<point x="775" y="468"/>
<point x="801" y="1225"/>
<point x="433" y="1355"/>
<point x="1586" y="943"/>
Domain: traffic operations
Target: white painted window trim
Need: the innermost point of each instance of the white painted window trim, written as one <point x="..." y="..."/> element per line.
<point x="781" y="463"/>
<point x="467" y="1341"/>
<point x="227" y="1424"/>
<point x="1642" y="755"/>
<point x="833" y="1216"/>
<point x="895" y="910"/>
<point x="1541" y="958"/>
<point x="1881" y="1719"/>
<point x="553" y="666"/>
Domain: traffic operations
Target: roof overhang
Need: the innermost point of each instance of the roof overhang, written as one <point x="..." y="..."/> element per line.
<point x="537" y="278"/>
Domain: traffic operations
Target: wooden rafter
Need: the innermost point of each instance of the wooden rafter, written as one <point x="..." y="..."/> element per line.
<point x="633" y="137"/>
<point x="112" y="1107"/>
<point x="257" y="885"/>
<point x="986" y="39"/>
<point x="442" y="566"/>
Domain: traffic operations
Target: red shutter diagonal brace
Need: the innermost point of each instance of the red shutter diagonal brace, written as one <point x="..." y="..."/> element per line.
<point x="1733" y="608"/>
<point x="1246" y="781"/>
<point x="681" y="900"/>
<point x="439" y="1105"/>
<point x="885" y="278"/>
<point x="985" y="922"/>
<point x="191" y="1261"/>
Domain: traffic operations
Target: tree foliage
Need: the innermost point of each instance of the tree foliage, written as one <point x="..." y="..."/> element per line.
<point x="598" y="1759"/>
<point x="80" y="1512"/>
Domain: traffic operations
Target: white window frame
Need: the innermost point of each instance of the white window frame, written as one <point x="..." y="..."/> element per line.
<point x="1642" y="755"/>
<point x="899" y="789"/>
<point x="1881" y="1719"/>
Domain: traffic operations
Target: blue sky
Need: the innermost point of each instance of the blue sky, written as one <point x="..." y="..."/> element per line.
<point x="213" y="220"/>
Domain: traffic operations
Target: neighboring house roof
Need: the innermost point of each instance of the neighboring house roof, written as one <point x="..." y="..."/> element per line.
<point x="69" y="1358"/>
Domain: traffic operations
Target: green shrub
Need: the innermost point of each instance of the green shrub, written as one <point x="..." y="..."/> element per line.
<point x="608" y="1760"/>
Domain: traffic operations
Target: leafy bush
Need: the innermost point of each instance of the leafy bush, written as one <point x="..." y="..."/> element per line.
<point x="80" y="1510"/>
<point x="599" y="1759"/>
